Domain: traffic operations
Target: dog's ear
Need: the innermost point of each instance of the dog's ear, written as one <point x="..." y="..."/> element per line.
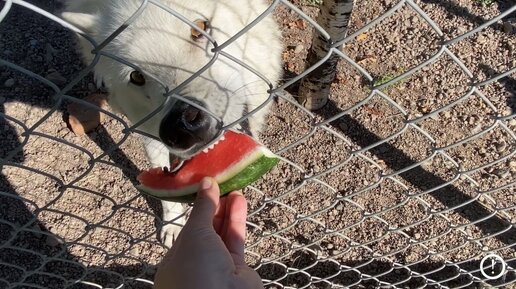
<point x="83" y="21"/>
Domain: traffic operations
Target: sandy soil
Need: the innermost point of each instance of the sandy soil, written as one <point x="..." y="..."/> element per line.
<point x="330" y="214"/>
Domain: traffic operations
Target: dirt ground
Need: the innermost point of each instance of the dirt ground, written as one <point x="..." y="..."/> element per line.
<point x="330" y="214"/>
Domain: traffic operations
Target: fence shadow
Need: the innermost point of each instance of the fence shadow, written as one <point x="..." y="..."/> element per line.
<point x="396" y="159"/>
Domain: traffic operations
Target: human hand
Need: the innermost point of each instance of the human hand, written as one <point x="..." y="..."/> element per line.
<point x="209" y="251"/>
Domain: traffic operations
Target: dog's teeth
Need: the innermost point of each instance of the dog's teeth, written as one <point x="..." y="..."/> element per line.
<point x="205" y="150"/>
<point x="222" y="138"/>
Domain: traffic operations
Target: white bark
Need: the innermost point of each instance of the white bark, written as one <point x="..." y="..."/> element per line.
<point x="315" y="88"/>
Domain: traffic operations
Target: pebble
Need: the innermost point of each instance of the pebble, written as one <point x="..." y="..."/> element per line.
<point x="329" y="246"/>
<point x="33" y="42"/>
<point x="507" y="27"/>
<point x="501" y="173"/>
<point x="417" y="236"/>
<point x="49" y="52"/>
<point x="500" y="147"/>
<point x="299" y="48"/>
<point x="343" y="126"/>
<point x="512" y="165"/>
<point x="53" y="241"/>
<point x="9" y="83"/>
<point x="481" y="39"/>
<point x="135" y="252"/>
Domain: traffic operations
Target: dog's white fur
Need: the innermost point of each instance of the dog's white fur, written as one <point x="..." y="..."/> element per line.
<point x="161" y="45"/>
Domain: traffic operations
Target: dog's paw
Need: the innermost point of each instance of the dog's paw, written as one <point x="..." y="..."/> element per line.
<point x="169" y="233"/>
<point x="174" y="218"/>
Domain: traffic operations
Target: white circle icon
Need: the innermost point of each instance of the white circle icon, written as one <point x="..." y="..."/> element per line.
<point x="489" y="270"/>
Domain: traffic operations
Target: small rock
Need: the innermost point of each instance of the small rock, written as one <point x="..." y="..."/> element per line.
<point x="507" y="27"/>
<point x="329" y="246"/>
<point x="343" y="126"/>
<point x="481" y="39"/>
<point x="512" y="165"/>
<point x="33" y="42"/>
<point x="9" y="83"/>
<point x="53" y="241"/>
<point x="2" y="100"/>
<point x="501" y="173"/>
<point x="135" y="252"/>
<point x="56" y="78"/>
<point x="434" y="116"/>
<point x="477" y="128"/>
<point x="299" y="48"/>
<point x="49" y="52"/>
<point x="500" y="147"/>
<point x="417" y="236"/>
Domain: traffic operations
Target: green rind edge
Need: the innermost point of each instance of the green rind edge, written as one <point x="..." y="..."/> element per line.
<point x="247" y="176"/>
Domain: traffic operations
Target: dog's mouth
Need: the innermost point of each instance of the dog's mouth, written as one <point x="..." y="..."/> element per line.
<point x="176" y="160"/>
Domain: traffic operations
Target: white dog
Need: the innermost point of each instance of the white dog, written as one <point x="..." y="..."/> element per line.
<point x="165" y="50"/>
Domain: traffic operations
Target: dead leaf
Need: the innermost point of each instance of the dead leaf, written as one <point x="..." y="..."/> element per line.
<point x="362" y="37"/>
<point x="83" y="119"/>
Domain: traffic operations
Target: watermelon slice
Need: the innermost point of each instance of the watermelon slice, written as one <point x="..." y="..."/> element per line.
<point x="236" y="161"/>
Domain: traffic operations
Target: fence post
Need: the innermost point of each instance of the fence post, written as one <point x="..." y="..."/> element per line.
<point x="334" y="17"/>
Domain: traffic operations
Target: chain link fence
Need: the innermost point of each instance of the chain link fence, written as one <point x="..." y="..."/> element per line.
<point x="379" y="189"/>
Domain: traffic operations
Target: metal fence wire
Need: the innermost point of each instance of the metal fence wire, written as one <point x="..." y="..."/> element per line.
<point x="376" y="190"/>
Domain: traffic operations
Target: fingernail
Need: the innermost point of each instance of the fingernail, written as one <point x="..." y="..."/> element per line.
<point x="206" y="184"/>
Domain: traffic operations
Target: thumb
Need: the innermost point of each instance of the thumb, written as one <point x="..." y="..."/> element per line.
<point x="205" y="204"/>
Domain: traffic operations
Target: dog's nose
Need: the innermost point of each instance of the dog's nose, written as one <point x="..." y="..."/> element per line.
<point x="186" y="127"/>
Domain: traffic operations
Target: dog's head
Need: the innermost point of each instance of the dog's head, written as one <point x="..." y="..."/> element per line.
<point x="158" y="52"/>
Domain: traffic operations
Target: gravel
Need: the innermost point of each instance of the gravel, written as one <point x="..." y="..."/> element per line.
<point x="99" y="221"/>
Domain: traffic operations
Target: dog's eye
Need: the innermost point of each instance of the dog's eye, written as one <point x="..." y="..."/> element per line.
<point x="202" y="24"/>
<point x="137" y="78"/>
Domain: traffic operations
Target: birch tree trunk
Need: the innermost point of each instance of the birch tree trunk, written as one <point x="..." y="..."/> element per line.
<point x="315" y="87"/>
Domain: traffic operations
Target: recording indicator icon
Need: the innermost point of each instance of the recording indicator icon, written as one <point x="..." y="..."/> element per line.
<point x="492" y="266"/>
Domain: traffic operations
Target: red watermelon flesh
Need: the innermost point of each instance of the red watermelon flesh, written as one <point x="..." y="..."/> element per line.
<point x="235" y="161"/>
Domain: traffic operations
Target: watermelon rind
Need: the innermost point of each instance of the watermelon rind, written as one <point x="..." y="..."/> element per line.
<point x="237" y="177"/>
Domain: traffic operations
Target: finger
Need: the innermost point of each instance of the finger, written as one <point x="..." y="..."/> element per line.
<point x="234" y="226"/>
<point x="218" y="220"/>
<point x="205" y="204"/>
